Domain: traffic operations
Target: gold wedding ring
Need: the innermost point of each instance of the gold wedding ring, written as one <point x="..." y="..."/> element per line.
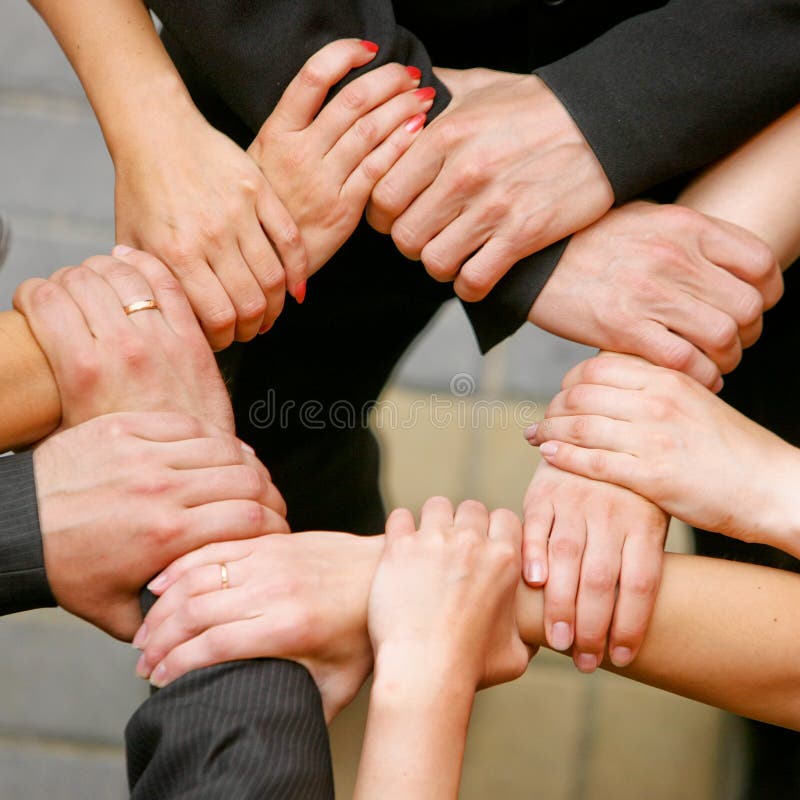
<point x="224" y="576"/>
<point x="140" y="305"/>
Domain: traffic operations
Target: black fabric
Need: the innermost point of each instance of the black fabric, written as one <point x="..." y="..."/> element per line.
<point x="23" y="582"/>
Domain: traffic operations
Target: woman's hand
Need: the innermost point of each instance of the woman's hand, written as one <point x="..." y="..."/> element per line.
<point x="598" y="550"/>
<point x="442" y="600"/>
<point x="301" y="597"/>
<point x="105" y="361"/>
<point x="324" y="162"/>
<point x="663" y="435"/>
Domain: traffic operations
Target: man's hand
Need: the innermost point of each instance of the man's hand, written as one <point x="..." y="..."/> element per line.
<point x="501" y="174"/>
<point x="598" y="549"/>
<point x="674" y="286"/>
<point x="301" y="597"/>
<point x="122" y="496"/>
<point x="105" y="361"/>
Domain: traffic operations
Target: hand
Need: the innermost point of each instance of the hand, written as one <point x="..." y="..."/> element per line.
<point x="324" y="162"/>
<point x="664" y="282"/>
<point x="188" y="194"/>
<point x="122" y="496"/>
<point x="302" y="597"/>
<point x="662" y="435"/>
<point x="444" y="597"/>
<point x="105" y="361"/>
<point x="605" y="548"/>
<point x="501" y="174"/>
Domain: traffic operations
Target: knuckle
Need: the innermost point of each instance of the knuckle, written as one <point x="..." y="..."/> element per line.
<point x="253" y="308"/>
<point x="312" y="77"/>
<point x="762" y="259"/>
<point x="751" y="305"/>
<point x="475" y="282"/>
<point x="600" y="578"/>
<point x="598" y="462"/>
<point x="438" y="264"/>
<point x="218" y="320"/>
<point x="565" y="548"/>
<point x="643" y="584"/>
<point x="575" y="397"/>
<point x="386" y="198"/>
<point x="352" y="98"/>
<point x="366" y="131"/>
<point x="677" y="354"/>
<point x="166" y="529"/>
<point x="406" y="238"/>
<point x="578" y="429"/>
<point x="725" y="333"/>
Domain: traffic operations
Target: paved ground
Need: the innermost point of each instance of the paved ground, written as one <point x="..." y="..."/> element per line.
<point x="66" y="691"/>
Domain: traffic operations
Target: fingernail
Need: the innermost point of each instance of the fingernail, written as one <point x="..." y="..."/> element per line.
<point x="534" y="572"/>
<point x="415" y="73"/>
<point x="548" y="449"/>
<point x="621" y="656"/>
<point x="121" y="250"/>
<point x="561" y="636"/>
<point x="246" y="447"/>
<point x="158" y="583"/>
<point x="299" y="293"/>
<point x="530" y="431"/>
<point x="428" y="93"/>
<point x="142" y="667"/>
<point x="718" y="386"/>
<point x="586" y="662"/>
<point x="415" y="123"/>
<point x="370" y="47"/>
<point x="140" y="638"/>
<point x="158" y="678"/>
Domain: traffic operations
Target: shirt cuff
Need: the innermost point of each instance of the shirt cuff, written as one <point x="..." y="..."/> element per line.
<point x="23" y="580"/>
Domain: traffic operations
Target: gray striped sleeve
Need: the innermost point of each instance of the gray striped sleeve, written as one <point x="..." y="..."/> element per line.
<point x="23" y="582"/>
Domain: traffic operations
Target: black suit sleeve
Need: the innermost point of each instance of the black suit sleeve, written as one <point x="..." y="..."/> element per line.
<point x="23" y="582"/>
<point x="658" y="96"/>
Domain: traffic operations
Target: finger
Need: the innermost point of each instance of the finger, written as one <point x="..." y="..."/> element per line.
<point x="127" y="282"/>
<point x="212" y="484"/>
<point x="348" y="111"/>
<point x="505" y="526"/>
<point x="480" y="274"/>
<point x="612" y="369"/>
<point x="163" y="426"/>
<point x="97" y="301"/>
<point x="199" y="580"/>
<point x="745" y="256"/>
<point x="209" y="451"/>
<point x="56" y="322"/>
<point x="602" y="465"/>
<point x="362" y="180"/>
<point x="595" y="432"/>
<point x="234" y="641"/>
<point x="244" y="293"/>
<point x="565" y="552"/>
<point x="537" y="525"/>
<point x="266" y="268"/>
<point x="472" y="515"/>
<point x="710" y="330"/>
<point x="600" y="571"/>
<point x="176" y="310"/>
<point x="642" y="559"/>
<point x="288" y="243"/>
<point x="306" y="93"/>
<point x="194" y="616"/>
<point x="213" y="552"/>
<point x="367" y="132"/>
<point x="400" y="523"/>
<point x="664" y="348"/>
<point x="406" y="180"/>
<point x="623" y="405"/>
<point x="437" y="512"/>
<point x="446" y="252"/>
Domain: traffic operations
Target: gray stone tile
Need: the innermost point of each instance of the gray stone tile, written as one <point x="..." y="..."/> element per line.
<point x="55" y="164"/>
<point x="42" y="771"/>
<point x="30" y="58"/>
<point x="61" y="678"/>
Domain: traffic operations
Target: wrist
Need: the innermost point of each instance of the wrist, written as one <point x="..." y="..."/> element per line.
<point x="781" y="519"/>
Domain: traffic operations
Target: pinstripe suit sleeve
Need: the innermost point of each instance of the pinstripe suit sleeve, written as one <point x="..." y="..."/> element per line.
<point x="23" y="582"/>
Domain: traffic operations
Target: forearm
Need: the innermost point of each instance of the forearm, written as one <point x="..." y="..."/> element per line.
<point x="30" y="406"/>
<point x="722" y="633"/>
<point x="128" y="77"/>
<point x="416" y="733"/>
<point x="758" y="188"/>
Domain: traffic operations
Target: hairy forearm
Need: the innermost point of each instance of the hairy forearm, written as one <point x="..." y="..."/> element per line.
<point x="30" y="406"/>
<point x="758" y="188"/>
<point x="722" y="633"/>
<point x="128" y="77"/>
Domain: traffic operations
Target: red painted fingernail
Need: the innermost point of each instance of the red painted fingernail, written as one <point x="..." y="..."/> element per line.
<point x="263" y="329"/>
<point x="414" y="73"/>
<point x="300" y="292"/>
<point x="416" y="122"/>
<point x="428" y="93"/>
<point x="370" y="47"/>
